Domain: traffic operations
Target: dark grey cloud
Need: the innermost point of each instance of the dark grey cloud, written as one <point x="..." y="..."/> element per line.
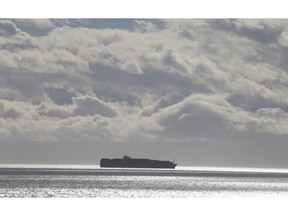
<point x="253" y="103"/>
<point x="60" y="96"/>
<point x="264" y="31"/>
<point x="54" y="111"/>
<point x="126" y="24"/>
<point x="7" y="28"/>
<point x="11" y="113"/>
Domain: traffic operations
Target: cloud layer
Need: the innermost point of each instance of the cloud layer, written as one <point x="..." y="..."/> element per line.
<point x="145" y="81"/>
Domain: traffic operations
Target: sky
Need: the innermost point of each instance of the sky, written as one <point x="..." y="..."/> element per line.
<point x="207" y="92"/>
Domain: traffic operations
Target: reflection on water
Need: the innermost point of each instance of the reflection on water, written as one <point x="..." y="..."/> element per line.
<point x="139" y="186"/>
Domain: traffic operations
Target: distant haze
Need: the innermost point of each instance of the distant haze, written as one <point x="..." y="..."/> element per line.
<point x="205" y="92"/>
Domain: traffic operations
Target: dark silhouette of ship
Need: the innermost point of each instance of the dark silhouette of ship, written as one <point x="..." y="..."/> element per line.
<point x="128" y="162"/>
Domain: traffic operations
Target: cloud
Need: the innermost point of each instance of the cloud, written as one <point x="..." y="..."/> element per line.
<point x="20" y="121"/>
<point x="49" y="109"/>
<point x="10" y="110"/>
<point x="57" y="61"/>
<point x="265" y="31"/>
<point x="89" y="105"/>
<point x="36" y="23"/>
<point x="12" y="38"/>
<point x="161" y="103"/>
<point x="145" y="26"/>
<point x="186" y="80"/>
<point x="283" y="38"/>
<point x="202" y="117"/>
<point x="132" y="67"/>
<point x="269" y="120"/>
<point x="7" y="28"/>
<point x="199" y="115"/>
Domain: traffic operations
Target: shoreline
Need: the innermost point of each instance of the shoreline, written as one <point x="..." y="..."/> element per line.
<point x="138" y="172"/>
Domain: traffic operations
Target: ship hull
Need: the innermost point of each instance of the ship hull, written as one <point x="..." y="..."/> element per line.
<point x="136" y="163"/>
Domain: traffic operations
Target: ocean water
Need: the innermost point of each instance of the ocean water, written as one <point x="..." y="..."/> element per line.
<point x="119" y="183"/>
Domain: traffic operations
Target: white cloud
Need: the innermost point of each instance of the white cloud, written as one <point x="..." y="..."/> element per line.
<point x="269" y="120"/>
<point x="7" y="59"/>
<point x="145" y="26"/>
<point x="19" y="120"/>
<point x="132" y="67"/>
<point x="283" y="39"/>
<point x="53" y="62"/>
<point x="199" y="115"/>
<point x="12" y="110"/>
<point x="89" y="105"/>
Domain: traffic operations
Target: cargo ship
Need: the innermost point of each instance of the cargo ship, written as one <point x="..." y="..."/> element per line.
<point x="128" y="162"/>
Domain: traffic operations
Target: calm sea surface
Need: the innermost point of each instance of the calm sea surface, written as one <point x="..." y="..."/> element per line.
<point x="120" y="183"/>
